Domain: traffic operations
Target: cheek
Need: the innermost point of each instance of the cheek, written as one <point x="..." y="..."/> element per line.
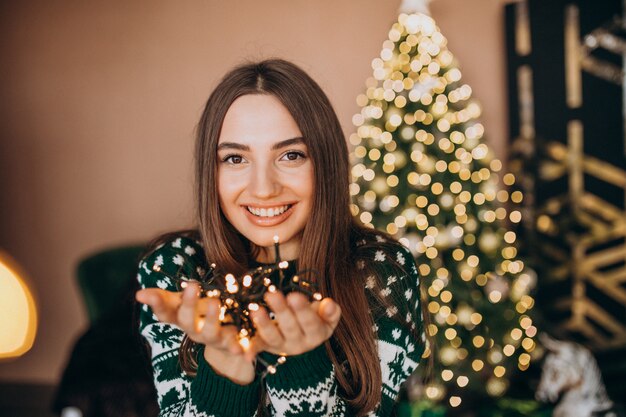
<point x="307" y="183"/>
<point x="306" y="194"/>
<point x="226" y="190"/>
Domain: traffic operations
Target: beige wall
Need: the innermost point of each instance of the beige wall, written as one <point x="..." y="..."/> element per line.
<point x="99" y="101"/>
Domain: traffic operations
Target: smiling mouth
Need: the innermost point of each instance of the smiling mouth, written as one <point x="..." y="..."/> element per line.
<point x="268" y="212"/>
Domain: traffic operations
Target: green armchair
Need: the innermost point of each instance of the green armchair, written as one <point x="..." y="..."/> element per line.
<point x="106" y="279"/>
<point x="108" y="373"/>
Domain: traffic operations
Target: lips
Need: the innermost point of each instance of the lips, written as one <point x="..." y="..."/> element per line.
<point x="268" y="212"/>
<point x="268" y="216"/>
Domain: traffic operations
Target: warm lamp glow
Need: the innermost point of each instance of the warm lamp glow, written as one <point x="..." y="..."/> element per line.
<point x="18" y="313"/>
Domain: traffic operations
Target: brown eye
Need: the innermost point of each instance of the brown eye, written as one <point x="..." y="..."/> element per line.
<point x="233" y="159"/>
<point x="293" y="155"/>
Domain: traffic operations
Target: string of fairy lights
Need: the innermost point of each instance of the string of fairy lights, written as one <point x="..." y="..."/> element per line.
<point x="239" y="295"/>
<point x="421" y="173"/>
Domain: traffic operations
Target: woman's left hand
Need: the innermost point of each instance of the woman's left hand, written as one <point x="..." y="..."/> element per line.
<point x="298" y="326"/>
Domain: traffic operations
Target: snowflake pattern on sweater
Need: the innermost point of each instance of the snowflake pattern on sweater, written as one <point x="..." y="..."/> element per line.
<point x="305" y="385"/>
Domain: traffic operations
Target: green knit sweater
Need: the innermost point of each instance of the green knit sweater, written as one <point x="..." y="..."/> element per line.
<point x="303" y="386"/>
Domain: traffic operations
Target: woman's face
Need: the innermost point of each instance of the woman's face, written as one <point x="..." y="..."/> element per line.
<point x="265" y="175"/>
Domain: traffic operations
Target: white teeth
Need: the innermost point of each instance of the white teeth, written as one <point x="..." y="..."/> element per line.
<point x="271" y="212"/>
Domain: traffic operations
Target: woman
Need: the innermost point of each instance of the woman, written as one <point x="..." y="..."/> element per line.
<point x="271" y="160"/>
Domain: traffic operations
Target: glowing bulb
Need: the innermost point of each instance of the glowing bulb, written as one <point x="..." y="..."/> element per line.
<point x="247" y="280"/>
<point x="477" y="365"/>
<point x="231" y="284"/>
<point x="478" y="341"/>
<point x="495" y="296"/>
<point x="245" y="343"/>
<point x="433" y="393"/>
<point x="509" y="350"/>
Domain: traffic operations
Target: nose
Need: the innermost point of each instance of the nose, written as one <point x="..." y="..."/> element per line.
<point x="265" y="181"/>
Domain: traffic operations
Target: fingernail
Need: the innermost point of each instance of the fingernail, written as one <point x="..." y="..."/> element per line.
<point x="330" y="309"/>
<point x="295" y="300"/>
<point x="190" y="292"/>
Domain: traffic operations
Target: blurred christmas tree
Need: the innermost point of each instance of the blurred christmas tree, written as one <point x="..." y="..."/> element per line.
<point x="422" y="173"/>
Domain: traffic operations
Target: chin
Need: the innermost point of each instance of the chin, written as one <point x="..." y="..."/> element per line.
<point x="261" y="241"/>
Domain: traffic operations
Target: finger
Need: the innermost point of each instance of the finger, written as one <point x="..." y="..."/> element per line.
<point x="266" y="328"/>
<point x="164" y="304"/>
<point x="188" y="311"/>
<point x="284" y="316"/>
<point x="315" y="328"/>
<point x="330" y="312"/>
<point x="210" y="332"/>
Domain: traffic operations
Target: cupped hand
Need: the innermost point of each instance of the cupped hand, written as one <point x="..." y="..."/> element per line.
<point x="298" y="326"/>
<point x="199" y="319"/>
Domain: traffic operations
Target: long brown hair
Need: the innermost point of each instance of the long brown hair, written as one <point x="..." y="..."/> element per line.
<point x="328" y="241"/>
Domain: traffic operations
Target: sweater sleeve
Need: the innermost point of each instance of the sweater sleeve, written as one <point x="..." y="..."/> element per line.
<point x="206" y="394"/>
<point x="306" y="385"/>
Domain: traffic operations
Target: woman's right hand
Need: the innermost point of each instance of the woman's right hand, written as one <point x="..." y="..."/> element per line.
<point x="199" y="319"/>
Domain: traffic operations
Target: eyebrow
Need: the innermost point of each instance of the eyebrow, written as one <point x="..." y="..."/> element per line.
<point x="278" y="145"/>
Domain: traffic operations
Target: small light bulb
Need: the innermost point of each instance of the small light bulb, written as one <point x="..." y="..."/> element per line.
<point x="245" y="343"/>
<point x="247" y="281"/>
